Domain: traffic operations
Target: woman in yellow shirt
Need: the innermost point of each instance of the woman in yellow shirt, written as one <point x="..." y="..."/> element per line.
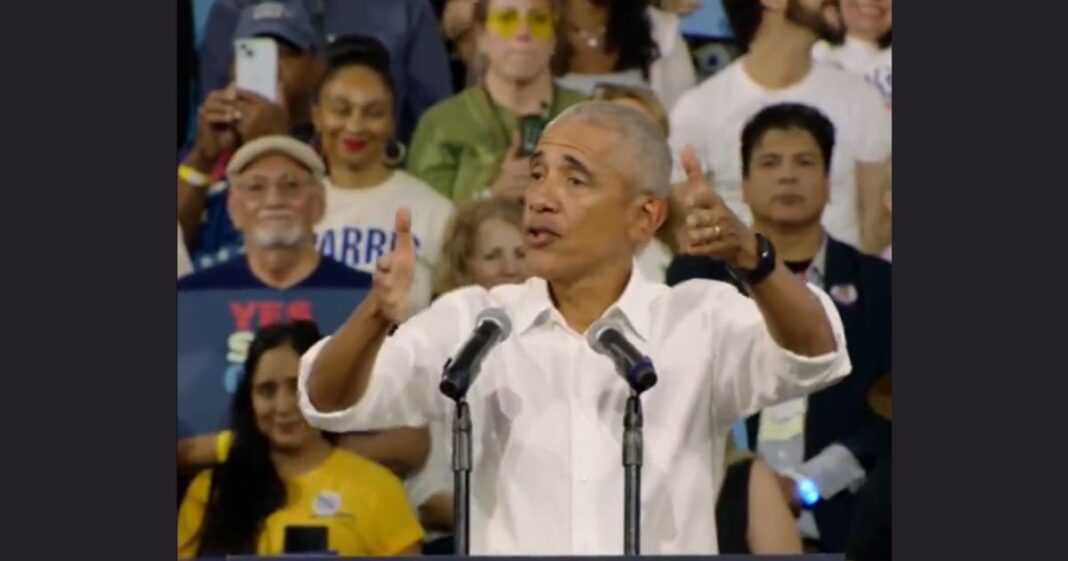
<point x="282" y="473"/>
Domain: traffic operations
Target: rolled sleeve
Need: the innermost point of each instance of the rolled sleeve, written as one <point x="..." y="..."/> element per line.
<point x="752" y="371"/>
<point x="402" y="390"/>
<point x="385" y="404"/>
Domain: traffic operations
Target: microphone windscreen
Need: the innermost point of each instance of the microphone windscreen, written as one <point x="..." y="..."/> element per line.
<point x="499" y="317"/>
<point x="594" y="333"/>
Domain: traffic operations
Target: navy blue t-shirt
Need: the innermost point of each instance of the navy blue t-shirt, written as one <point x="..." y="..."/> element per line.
<point x="236" y="274"/>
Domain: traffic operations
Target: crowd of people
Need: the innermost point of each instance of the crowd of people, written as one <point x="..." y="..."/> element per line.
<point x="411" y="131"/>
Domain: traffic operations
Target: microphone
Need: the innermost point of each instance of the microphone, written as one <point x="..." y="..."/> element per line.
<point x="636" y="368"/>
<point x="491" y="327"/>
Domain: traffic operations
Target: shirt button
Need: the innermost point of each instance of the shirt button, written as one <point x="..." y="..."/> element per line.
<point x="582" y="416"/>
<point x="584" y="479"/>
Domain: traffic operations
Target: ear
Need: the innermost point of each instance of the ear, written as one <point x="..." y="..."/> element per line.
<point x="233" y="208"/>
<point x="745" y="191"/>
<point x="480" y="38"/>
<point x="650" y="213"/>
<point x="319" y="210"/>
<point x="317" y="120"/>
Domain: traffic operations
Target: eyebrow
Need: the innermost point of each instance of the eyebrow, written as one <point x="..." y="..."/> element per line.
<point x="572" y="162"/>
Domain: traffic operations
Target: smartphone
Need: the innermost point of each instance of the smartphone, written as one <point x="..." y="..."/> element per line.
<point x="530" y="128"/>
<point x="305" y="539"/>
<point x="256" y="62"/>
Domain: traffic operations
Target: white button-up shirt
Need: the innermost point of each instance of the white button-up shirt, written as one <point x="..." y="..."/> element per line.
<point x="547" y="410"/>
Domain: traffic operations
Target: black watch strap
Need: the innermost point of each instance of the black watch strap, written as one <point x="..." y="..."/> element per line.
<point x="765" y="264"/>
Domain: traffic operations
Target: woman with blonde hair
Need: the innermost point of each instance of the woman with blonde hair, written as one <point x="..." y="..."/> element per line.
<point x="483" y="245"/>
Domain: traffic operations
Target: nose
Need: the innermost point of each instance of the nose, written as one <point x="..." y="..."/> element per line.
<point x="524" y="28"/>
<point x="355" y="122"/>
<point x="273" y="197"/>
<point x="285" y="401"/>
<point x="788" y="173"/>
<point x="510" y="266"/>
<point x="540" y="197"/>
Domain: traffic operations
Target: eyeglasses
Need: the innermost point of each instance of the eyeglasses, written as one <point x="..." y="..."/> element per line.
<point x="507" y="23"/>
<point x="289" y="187"/>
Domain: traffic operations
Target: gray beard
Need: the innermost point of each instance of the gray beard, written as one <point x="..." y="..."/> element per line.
<point x="280" y="238"/>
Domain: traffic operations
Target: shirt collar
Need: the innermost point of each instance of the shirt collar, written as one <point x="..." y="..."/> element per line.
<point x="817" y="270"/>
<point x="632" y="307"/>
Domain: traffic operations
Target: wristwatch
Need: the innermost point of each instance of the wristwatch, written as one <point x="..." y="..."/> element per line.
<point x="765" y="264"/>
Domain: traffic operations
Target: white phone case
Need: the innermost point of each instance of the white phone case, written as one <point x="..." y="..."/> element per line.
<point x="256" y="63"/>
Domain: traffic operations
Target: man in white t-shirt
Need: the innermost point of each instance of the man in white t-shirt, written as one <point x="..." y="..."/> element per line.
<point x="358" y="226"/>
<point x="778" y="67"/>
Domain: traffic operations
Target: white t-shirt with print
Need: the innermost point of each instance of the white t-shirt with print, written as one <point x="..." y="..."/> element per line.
<point x="358" y="226"/>
<point x="861" y="58"/>
<point x="711" y="117"/>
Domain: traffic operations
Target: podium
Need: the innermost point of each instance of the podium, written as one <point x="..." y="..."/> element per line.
<point x="300" y="557"/>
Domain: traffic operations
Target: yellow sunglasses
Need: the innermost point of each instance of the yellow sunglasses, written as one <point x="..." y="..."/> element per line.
<point x="507" y="23"/>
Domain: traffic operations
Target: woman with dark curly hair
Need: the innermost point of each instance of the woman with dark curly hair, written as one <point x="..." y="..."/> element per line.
<point x="625" y="42"/>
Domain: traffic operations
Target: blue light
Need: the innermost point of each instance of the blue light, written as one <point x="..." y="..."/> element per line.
<point x="808" y="492"/>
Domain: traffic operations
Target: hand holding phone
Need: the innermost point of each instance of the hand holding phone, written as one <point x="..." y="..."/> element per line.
<point x="530" y="128"/>
<point x="514" y="173"/>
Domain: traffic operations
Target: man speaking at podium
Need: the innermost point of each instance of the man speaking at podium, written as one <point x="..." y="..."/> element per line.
<point x="547" y="410"/>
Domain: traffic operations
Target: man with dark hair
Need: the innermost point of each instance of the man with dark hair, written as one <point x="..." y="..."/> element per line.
<point x="230" y="117"/>
<point x="778" y="67"/>
<point x="827" y="442"/>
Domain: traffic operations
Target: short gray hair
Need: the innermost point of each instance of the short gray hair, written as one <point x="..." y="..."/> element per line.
<point x="644" y="149"/>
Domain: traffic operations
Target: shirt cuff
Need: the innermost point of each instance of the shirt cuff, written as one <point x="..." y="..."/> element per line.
<point x="818" y="371"/>
<point x="833" y="470"/>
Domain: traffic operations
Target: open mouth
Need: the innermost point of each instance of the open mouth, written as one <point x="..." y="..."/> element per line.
<point x="538" y="236"/>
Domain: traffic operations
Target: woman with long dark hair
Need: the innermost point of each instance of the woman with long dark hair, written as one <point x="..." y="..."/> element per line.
<point x="625" y="42"/>
<point x="281" y="474"/>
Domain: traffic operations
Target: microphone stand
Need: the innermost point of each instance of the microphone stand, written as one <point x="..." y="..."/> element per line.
<point x="632" y="466"/>
<point x="461" y="468"/>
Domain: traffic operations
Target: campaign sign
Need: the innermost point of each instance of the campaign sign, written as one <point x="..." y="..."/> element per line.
<point x="215" y="328"/>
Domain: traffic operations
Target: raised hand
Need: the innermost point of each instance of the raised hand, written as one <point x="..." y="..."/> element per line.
<point x="514" y="175"/>
<point x="712" y="230"/>
<point x="395" y="273"/>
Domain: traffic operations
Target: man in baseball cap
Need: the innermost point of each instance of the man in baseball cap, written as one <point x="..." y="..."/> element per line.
<point x="289" y="25"/>
<point x="285" y="20"/>
<point x="229" y="118"/>
<point x="275" y="199"/>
